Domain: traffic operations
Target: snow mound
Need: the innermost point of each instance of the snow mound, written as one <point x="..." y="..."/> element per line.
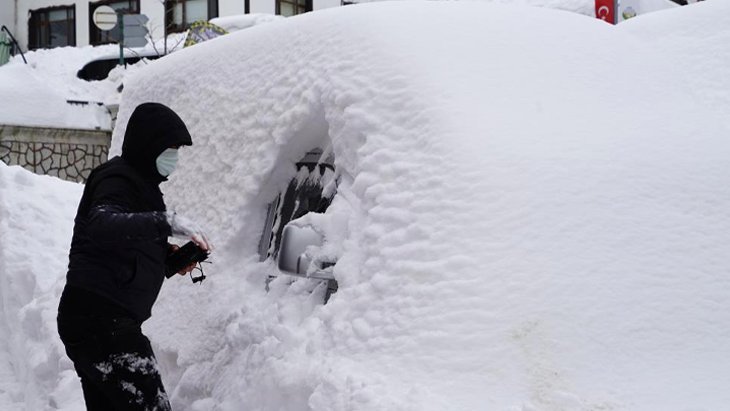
<point x="36" y="222"/>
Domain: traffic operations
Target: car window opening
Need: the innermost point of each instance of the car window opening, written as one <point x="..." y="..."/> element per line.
<point x="311" y="190"/>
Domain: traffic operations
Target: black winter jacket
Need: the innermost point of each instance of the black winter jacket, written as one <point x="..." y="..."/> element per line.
<point x="119" y="244"/>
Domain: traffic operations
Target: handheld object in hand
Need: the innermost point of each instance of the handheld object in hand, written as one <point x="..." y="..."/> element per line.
<point x="186" y="255"/>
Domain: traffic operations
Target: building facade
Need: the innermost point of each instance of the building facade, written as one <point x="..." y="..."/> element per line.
<point x="57" y="23"/>
<point x="7" y="14"/>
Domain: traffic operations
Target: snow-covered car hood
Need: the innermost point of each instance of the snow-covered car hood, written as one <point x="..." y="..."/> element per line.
<point x="531" y="212"/>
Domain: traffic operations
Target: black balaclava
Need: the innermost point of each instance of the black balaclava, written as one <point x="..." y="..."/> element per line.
<point x="152" y="129"/>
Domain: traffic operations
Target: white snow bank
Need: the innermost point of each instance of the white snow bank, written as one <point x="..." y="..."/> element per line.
<point x="36" y="221"/>
<point x="525" y="220"/>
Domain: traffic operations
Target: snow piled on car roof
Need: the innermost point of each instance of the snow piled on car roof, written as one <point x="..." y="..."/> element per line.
<point x="524" y="218"/>
<point x="47" y="92"/>
<point x="36" y="94"/>
<point x="531" y="215"/>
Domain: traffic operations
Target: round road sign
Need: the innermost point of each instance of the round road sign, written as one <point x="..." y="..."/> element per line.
<point x="105" y="18"/>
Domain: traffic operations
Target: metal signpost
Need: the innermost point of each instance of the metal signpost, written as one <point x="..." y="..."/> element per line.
<point x="135" y="31"/>
<point x="120" y="23"/>
<point x="132" y="30"/>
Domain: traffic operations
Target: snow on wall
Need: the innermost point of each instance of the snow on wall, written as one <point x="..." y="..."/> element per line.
<point x="522" y="221"/>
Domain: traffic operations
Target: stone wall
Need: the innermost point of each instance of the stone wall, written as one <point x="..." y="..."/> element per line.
<point x="65" y="153"/>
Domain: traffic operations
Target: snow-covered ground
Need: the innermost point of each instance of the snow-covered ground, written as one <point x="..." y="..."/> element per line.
<point x="531" y="215"/>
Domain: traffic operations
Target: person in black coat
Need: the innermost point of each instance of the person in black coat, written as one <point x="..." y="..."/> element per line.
<point x="117" y="265"/>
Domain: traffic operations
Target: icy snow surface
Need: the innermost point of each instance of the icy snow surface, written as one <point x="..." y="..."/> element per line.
<point x="531" y="215"/>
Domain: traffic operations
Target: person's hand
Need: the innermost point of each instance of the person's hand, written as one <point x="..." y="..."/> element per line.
<point x="185" y="227"/>
<point x="185" y="271"/>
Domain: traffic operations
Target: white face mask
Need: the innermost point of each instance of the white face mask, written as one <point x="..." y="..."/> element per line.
<point x="166" y="162"/>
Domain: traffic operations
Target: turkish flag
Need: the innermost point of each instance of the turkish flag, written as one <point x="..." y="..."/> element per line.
<point x="606" y="10"/>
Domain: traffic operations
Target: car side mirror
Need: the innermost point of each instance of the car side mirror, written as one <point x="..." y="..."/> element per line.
<point x="292" y="259"/>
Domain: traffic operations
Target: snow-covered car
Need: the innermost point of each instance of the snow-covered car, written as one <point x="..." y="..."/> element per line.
<point x="515" y="213"/>
<point x="99" y="68"/>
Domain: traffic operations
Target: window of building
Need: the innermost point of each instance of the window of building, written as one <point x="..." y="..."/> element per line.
<point x="97" y="36"/>
<point x="180" y="14"/>
<point x="292" y="7"/>
<point x="52" y="27"/>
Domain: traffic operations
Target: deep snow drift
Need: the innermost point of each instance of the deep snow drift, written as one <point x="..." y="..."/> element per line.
<point x="530" y="216"/>
<point x="36" y="221"/>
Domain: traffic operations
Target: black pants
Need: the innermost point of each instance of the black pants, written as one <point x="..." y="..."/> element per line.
<point x="115" y="362"/>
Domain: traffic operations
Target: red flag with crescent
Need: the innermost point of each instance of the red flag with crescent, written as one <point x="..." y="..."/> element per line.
<point x="606" y="10"/>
